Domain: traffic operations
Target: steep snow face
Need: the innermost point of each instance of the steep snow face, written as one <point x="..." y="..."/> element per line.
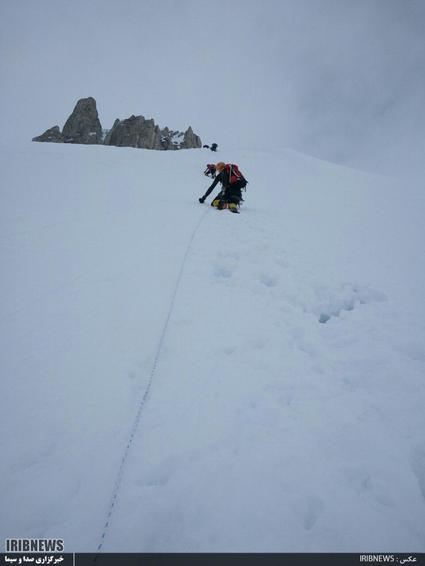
<point x="284" y="348"/>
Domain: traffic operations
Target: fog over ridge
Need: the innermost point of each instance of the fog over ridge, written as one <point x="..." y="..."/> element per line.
<point x="337" y="79"/>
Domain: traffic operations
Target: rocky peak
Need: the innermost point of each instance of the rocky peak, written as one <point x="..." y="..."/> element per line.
<point x="190" y="139"/>
<point x="83" y="126"/>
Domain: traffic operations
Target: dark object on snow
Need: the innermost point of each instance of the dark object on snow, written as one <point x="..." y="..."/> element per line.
<point x="213" y="146"/>
<point x="210" y="170"/>
<point x="232" y="182"/>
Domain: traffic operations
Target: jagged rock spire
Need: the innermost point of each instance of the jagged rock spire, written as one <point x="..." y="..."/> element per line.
<point x="83" y="126"/>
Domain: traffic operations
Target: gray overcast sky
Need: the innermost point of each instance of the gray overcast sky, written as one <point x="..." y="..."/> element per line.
<point x="340" y="79"/>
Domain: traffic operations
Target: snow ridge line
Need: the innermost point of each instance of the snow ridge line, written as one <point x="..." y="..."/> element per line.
<point x="136" y="421"/>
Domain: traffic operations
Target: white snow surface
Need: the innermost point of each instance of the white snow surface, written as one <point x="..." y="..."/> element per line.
<point x="286" y="408"/>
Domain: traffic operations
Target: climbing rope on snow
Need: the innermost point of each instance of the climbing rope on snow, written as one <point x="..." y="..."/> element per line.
<point x="136" y="421"/>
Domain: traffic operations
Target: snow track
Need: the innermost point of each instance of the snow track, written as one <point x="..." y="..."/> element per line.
<point x="148" y="387"/>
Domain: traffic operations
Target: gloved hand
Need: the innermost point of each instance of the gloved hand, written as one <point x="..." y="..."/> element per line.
<point x="201" y="200"/>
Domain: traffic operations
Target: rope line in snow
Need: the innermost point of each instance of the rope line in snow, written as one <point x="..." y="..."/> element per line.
<point x="136" y="421"/>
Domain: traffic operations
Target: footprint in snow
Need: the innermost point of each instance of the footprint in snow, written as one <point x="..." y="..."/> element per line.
<point x="309" y="509"/>
<point x="229" y="350"/>
<point x="333" y="302"/>
<point x="222" y="272"/>
<point x="269" y="280"/>
<point x="369" y="485"/>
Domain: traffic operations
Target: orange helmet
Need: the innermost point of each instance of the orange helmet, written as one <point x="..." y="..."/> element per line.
<point x="220" y="166"/>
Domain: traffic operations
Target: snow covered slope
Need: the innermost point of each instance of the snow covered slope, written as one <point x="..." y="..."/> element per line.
<point x="284" y="348"/>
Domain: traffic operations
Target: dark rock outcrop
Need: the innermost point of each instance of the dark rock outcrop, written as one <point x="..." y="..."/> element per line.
<point x="170" y="139"/>
<point x="136" y="131"/>
<point x="190" y="140"/>
<point x="50" y="135"/>
<point x="107" y="138"/>
<point x="83" y="126"/>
